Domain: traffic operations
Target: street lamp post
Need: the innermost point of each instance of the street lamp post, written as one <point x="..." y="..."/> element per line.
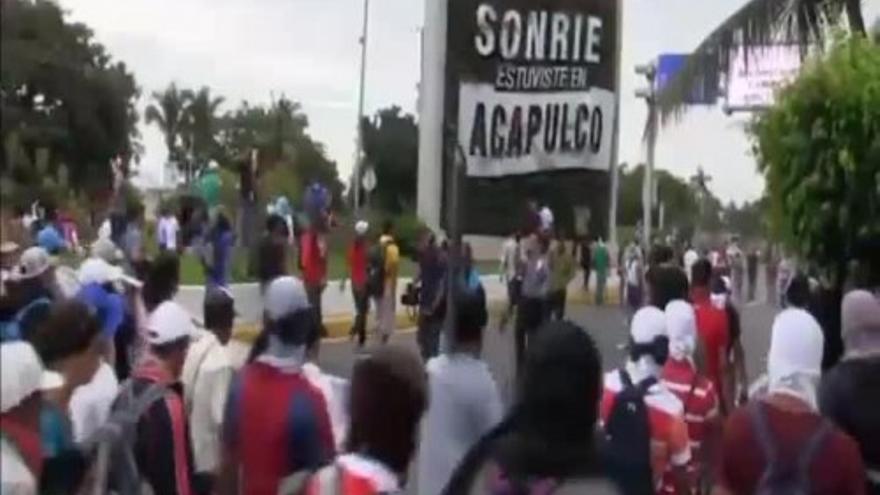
<point x="359" y="148"/>
<point x="649" y="95"/>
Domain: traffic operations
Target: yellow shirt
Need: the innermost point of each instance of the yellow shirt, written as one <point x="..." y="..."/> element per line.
<point x="392" y="259"/>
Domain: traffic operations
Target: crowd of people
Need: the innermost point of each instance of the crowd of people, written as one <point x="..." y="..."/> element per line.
<point x="115" y="388"/>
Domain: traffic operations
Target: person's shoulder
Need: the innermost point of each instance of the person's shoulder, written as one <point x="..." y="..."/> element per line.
<point x="663" y="400"/>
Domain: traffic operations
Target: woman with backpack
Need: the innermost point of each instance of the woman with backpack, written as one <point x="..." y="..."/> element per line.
<point x="548" y="442"/>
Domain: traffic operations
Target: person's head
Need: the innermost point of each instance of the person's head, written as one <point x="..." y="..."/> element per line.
<point x="161" y="280"/>
<point x="169" y="329"/>
<point x="388" y="398"/>
<point x="276" y="226"/>
<point x="218" y="312"/>
<point x="471" y="319"/>
<point x="467" y="256"/>
<point x="361" y="227"/>
<point x="516" y="235"/>
<point x="701" y="273"/>
<point x="860" y="323"/>
<point x="555" y="413"/>
<point x="288" y="315"/>
<point x="23" y="379"/>
<point x="666" y="283"/>
<point x="719" y="290"/>
<point x="221" y="222"/>
<point x="388" y="228"/>
<point x="648" y="341"/>
<point x="681" y="325"/>
<point x="797" y="293"/>
<point x="794" y="362"/>
<point x="135" y="214"/>
<point x="69" y="341"/>
<point x="35" y="266"/>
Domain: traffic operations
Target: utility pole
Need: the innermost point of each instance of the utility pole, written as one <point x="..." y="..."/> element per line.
<point x="649" y="95"/>
<point x="359" y="148"/>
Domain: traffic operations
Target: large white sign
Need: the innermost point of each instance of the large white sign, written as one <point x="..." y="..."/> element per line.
<point x="754" y="80"/>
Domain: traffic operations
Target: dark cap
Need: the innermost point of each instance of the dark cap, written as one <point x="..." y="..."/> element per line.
<point x="219" y="298"/>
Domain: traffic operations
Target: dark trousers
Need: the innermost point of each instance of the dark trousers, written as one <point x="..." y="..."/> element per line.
<point x="428" y="335"/>
<point x="556" y="304"/>
<point x="753" y="282"/>
<point x="531" y="314"/>
<point x="586" y="278"/>
<point x="313" y="293"/>
<point x="362" y="309"/>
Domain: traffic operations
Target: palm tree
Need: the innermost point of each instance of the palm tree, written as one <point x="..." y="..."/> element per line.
<point x="201" y="125"/>
<point x="167" y="112"/>
<point x="758" y="22"/>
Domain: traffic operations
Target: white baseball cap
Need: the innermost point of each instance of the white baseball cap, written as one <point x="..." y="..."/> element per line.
<point x="361" y="227"/>
<point x="34" y="261"/>
<point x="23" y="374"/>
<point x="107" y="251"/>
<point x="167" y="323"/>
<point x="96" y="270"/>
<point x="285" y="296"/>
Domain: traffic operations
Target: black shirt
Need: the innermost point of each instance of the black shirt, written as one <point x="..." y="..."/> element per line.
<point x="849" y="396"/>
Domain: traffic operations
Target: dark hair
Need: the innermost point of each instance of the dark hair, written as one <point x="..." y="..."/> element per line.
<point x="701" y="273"/>
<point x="69" y="330"/>
<point x="161" y="280"/>
<point x="718" y="286"/>
<point x="384" y="425"/>
<point x="666" y="283"/>
<point x="165" y="350"/>
<point x="387" y="227"/>
<point x="552" y="425"/>
<point x="471" y="317"/>
<point x="798" y="291"/>
<point x="295" y="328"/>
<point x="658" y="349"/>
<point x="275" y="222"/>
<point x="221" y="223"/>
<point x="218" y="312"/>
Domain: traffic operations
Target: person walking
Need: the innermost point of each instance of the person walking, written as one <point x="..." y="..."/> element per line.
<point x="601" y="265"/>
<point x="220" y="243"/>
<point x="548" y="441"/>
<point x="752" y="271"/>
<point x="532" y="311"/>
<point x="847" y="392"/>
<point x="272" y="252"/>
<point x="383" y="431"/>
<point x="634" y="275"/>
<point x="357" y="273"/>
<point x="386" y="312"/>
<point x="779" y="443"/>
<point x="690" y="257"/>
<point x="432" y="271"/>
<point x="463" y="399"/>
<point x="207" y="372"/>
<point x="696" y="393"/>
<point x="276" y="422"/>
<point x="511" y="274"/>
<point x="713" y="329"/>
<point x="636" y="386"/>
<point x="167" y="230"/>
<point x="561" y="273"/>
<point x="313" y="256"/>
<point x="586" y="260"/>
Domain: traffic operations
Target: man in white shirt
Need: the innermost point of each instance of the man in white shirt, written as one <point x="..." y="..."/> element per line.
<point x="334" y="389"/>
<point x="690" y="257"/>
<point x="167" y="231"/>
<point x="511" y="273"/>
<point x="546" y="215"/>
<point x="463" y="403"/>
<point x="207" y="372"/>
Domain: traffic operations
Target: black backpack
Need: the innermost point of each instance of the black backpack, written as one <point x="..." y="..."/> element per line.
<point x="785" y="477"/>
<point x="627" y="452"/>
<point x="376" y="270"/>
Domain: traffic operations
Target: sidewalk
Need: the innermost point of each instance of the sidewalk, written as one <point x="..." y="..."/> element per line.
<point x="338" y="305"/>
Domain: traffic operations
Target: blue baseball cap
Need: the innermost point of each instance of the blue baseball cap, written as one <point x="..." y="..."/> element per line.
<point x="108" y="306"/>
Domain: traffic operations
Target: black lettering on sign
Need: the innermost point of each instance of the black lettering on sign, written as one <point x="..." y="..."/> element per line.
<point x="551" y="128"/>
<point x="499" y="119"/>
<point x="564" y="139"/>
<point x="580" y="126"/>
<point x="478" y="132"/>
<point x="596" y="130"/>
<point x="514" y="140"/>
<point x="534" y="126"/>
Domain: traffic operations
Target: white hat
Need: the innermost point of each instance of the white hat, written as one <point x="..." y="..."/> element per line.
<point x="107" y="251"/>
<point x="96" y="270"/>
<point x="213" y="165"/>
<point x="647" y="324"/>
<point x="34" y="262"/>
<point x="285" y="296"/>
<point x="794" y="363"/>
<point x="8" y="247"/>
<point x="681" y="325"/>
<point x="361" y="227"/>
<point x="23" y="374"/>
<point x="167" y="323"/>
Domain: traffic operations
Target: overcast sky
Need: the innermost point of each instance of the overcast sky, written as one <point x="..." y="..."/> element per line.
<point x="308" y="50"/>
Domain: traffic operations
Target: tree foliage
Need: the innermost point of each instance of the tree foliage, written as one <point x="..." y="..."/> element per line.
<point x="819" y="151"/>
<point x="391" y="146"/>
<point x="60" y="90"/>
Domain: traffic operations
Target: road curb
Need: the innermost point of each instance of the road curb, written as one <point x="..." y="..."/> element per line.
<point x="339" y="325"/>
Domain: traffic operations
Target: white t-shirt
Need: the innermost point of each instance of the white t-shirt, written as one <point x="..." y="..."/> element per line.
<point x="510" y="259"/>
<point x="15" y="476"/>
<point x="690" y="257"/>
<point x="546" y="215"/>
<point x="464" y="404"/>
<point x="167" y="232"/>
<point x="90" y="404"/>
<point x="335" y="391"/>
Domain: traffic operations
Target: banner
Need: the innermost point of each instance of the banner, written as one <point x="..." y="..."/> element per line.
<point x="534" y="84"/>
<point x="704" y="92"/>
<point x="754" y="77"/>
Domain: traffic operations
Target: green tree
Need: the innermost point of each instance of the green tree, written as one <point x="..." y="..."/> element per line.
<point x="168" y="113"/>
<point x="391" y="146"/>
<point x="819" y="151"/>
<point x="201" y="125"/>
<point x="60" y="90"/>
<point x="757" y="23"/>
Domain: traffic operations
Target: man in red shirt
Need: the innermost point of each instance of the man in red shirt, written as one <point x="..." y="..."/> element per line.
<point x="694" y="391"/>
<point x="713" y="330"/>
<point x="357" y="271"/>
<point x="313" y="249"/>
<point x="782" y="434"/>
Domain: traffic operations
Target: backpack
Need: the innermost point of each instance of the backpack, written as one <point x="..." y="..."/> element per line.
<point x="116" y="469"/>
<point x="376" y="270"/>
<point x="781" y="477"/>
<point x="628" y="434"/>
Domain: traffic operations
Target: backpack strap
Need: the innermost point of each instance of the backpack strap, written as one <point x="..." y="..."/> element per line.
<point x="812" y="447"/>
<point x="762" y="431"/>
